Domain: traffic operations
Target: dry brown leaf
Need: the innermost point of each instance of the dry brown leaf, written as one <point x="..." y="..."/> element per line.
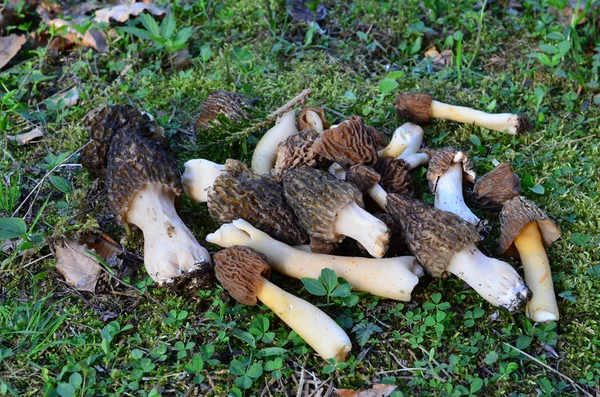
<point x="80" y="270"/>
<point x="27" y="137"/>
<point x="378" y="390"/>
<point x="122" y="13"/>
<point x="93" y="38"/>
<point x="102" y="244"/>
<point x="9" y="47"/>
<point x="70" y="97"/>
<point x="182" y="60"/>
<point x="438" y="59"/>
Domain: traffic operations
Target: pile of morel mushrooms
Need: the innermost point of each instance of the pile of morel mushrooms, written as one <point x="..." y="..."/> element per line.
<point x="312" y="186"/>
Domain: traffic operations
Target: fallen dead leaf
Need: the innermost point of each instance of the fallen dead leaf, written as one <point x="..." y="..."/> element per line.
<point x="70" y="97"/>
<point x="440" y="60"/>
<point x="93" y="38"/>
<point x="378" y="390"/>
<point x="80" y="270"/>
<point x="9" y="47"/>
<point x="27" y="137"/>
<point x="182" y="60"/>
<point x="102" y="244"/>
<point x="122" y="13"/>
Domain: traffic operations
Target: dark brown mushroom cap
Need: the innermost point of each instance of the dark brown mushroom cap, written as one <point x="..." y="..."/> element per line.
<point x="303" y="123"/>
<point x="432" y="235"/>
<point x="104" y="122"/>
<point x="258" y="201"/>
<point x="443" y="159"/>
<point x="134" y="161"/>
<point x="350" y="143"/>
<point x="395" y="176"/>
<point x="241" y="271"/>
<point x="363" y="177"/>
<point x="414" y="106"/>
<point x="316" y="197"/>
<point x="296" y="151"/>
<point x="517" y="213"/>
<point x="496" y="187"/>
<point x="230" y="104"/>
<point x="321" y="247"/>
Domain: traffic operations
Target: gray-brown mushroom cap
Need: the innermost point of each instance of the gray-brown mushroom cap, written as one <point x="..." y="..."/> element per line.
<point x="414" y="106"/>
<point x="259" y="202"/>
<point x="134" y="161"/>
<point x="496" y="187"/>
<point x="363" y="177"/>
<point x="303" y="123"/>
<point x="241" y="271"/>
<point x="230" y="104"/>
<point x="433" y="236"/>
<point x="517" y="213"/>
<point x="296" y="151"/>
<point x="350" y="143"/>
<point x="395" y="176"/>
<point x="316" y="197"/>
<point x="444" y="158"/>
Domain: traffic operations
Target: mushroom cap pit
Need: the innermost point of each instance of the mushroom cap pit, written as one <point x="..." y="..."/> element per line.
<point x="414" y="106"/>
<point x="395" y="176"/>
<point x="230" y="104"/>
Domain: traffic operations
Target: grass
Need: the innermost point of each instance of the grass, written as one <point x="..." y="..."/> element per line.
<point x="447" y="341"/>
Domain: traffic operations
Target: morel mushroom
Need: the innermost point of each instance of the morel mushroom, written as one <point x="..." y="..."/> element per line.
<point x="329" y="210"/>
<point x="496" y="187"/>
<point x="313" y="118"/>
<point x="257" y="200"/>
<point x="265" y="152"/>
<point x="420" y="107"/>
<point x="445" y="243"/>
<point x="296" y="151"/>
<point x="527" y="230"/>
<point x="407" y="138"/>
<point x="447" y="169"/>
<point x="392" y="278"/>
<point x="142" y="187"/>
<point x="366" y="179"/>
<point x="230" y="104"/>
<point x="243" y="272"/>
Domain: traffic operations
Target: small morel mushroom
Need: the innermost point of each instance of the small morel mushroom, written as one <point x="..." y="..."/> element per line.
<point x="257" y="200"/>
<point x="349" y="143"/>
<point x="496" y="187"/>
<point x="142" y="187"/>
<point x="265" y="152"/>
<point x="243" y="272"/>
<point x="200" y="174"/>
<point x="527" y="230"/>
<point x="393" y="278"/>
<point x="230" y="104"/>
<point x="395" y="176"/>
<point x="296" y="151"/>
<point x="329" y="210"/>
<point x="420" y="107"/>
<point x="366" y="179"/>
<point x="447" y="169"/>
<point x="408" y="137"/>
<point x="444" y="242"/>
<point x="313" y="118"/>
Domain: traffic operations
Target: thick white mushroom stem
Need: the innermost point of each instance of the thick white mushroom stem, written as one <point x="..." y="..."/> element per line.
<point x="498" y="122"/>
<point x="170" y="249"/>
<point x="392" y="278"/>
<point x="449" y="194"/>
<point x="496" y="281"/>
<point x="198" y="177"/>
<point x="542" y="307"/>
<point x="417" y="159"/>
<point x="317" y="329"/>
<point x="406" y="139"/>
<point x="315" y="122"/>
<point x="265" y="152"/>
<point x="354" y="222"/>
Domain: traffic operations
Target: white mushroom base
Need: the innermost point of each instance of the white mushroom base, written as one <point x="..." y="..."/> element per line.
<point x="198" y="177"/>
<point x="356" y="223"/>
<point x="449" y="194"/>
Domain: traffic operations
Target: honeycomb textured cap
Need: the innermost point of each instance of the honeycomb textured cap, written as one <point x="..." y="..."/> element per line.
<point x="395" y="176"/>
<point x="316" y="197"/>
<point x="296" y="151"/>
<point x="414" y="106"/>
<point x="135" y="161"/>
<point x="444" y="158"/>
<point x="363" y="177"/>
<point x="104" y="122"/>
<point x="303" y="123"/>
<point x="496" y="187"/>
<point x="230" y="104"/>
<point x="259" y="202"/>
<point x="350" y="143"/>
<point x="517" y="213"/>
<point x="432" y="235"/>
<point x="241" y="271"/>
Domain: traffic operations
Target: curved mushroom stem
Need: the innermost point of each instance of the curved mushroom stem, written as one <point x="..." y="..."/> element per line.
<point x="170" y="249"/>
<point x="315" y="122"/>
<point x="449" y="194"/>
<point x="379" y="195"/>
<point x="265" y="152"/>
<point x="542" y="307"/>
<point x="317" y="329"/>
<point x="414" y="139"/>
<point x="356" y="223"/>
<point x="511" y="123"/>
<point x="417" y="159"/>
<point x="198" y="177"/>
<point x="496" y="281"/>
<point x="392" y="278"/>
<point x="405" y="137"/>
